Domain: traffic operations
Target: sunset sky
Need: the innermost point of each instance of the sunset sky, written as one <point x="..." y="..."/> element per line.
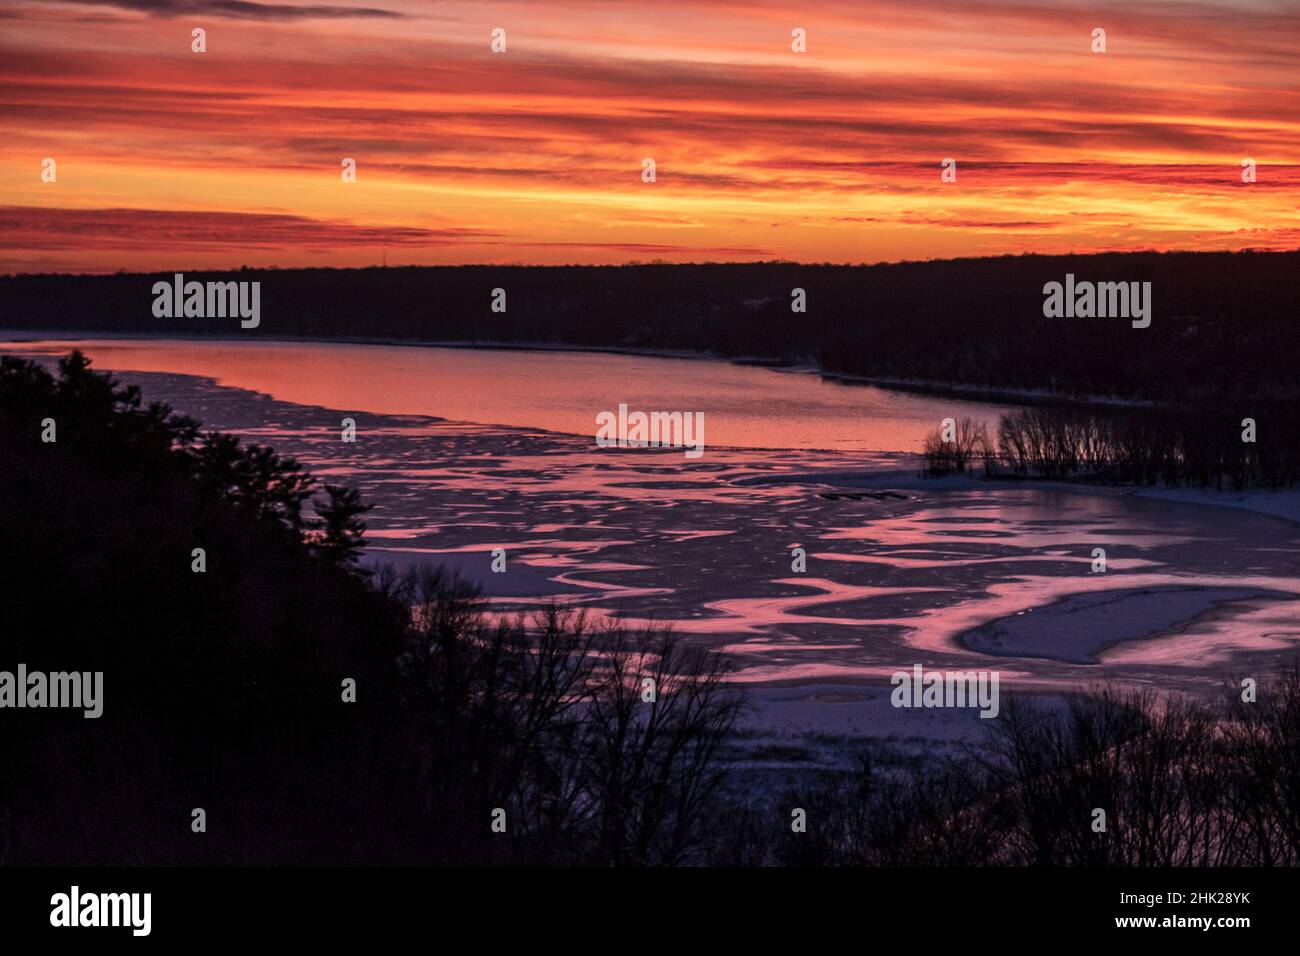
<point x="169" y="159"/>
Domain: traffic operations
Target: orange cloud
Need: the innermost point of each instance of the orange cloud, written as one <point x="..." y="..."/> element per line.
<point x="535" y="155"/>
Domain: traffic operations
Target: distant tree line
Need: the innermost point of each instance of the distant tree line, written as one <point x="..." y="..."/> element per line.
<point x="1197" y="445"/>
<point x="1222" y="323"/>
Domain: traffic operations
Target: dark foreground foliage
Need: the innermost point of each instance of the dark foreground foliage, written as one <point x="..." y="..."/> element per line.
<point x="1181" y="784"/>
<point x="223" y="689"/>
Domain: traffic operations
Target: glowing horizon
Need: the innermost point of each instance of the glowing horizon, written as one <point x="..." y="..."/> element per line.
<point x="174" y="160"/>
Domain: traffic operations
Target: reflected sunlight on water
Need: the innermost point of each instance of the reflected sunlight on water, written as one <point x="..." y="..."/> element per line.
<point x="744" y="406"/>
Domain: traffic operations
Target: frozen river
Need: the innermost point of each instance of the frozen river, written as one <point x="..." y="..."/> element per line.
<point x="900" y="569"/>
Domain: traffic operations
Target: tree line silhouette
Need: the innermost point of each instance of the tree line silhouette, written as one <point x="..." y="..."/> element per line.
<point x="223" y="689"/>
<point x="1197" y="445"/>
<point x="1180" y="783"/>
<point x="1222" y="322"/>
